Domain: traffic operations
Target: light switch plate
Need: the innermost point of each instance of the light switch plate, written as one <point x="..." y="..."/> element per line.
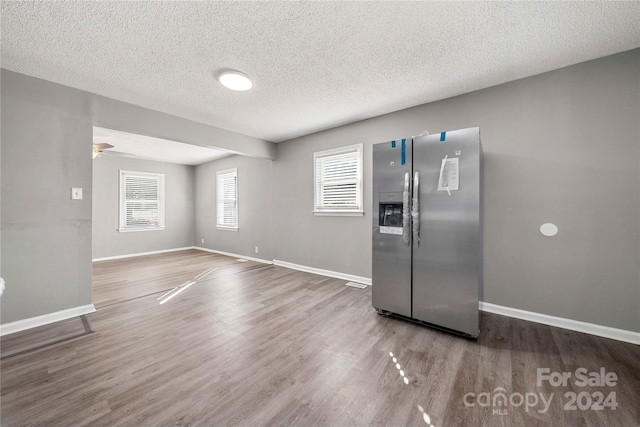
<point x="76" y="193"/>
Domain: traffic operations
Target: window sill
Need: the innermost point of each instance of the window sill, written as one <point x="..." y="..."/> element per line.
<point x="338" y="213"/>
<point x="128" y="230"/>
<point x="227" y="228"/>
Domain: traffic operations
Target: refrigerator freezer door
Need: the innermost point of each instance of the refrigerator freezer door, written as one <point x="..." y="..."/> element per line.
<point x="447" y="262"/>
<point x="391" y="275"/>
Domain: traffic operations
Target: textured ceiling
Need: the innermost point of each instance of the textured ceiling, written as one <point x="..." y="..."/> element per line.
<point x="315" y="65"/>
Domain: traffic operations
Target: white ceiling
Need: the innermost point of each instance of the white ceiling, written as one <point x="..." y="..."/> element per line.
<point x="315" y="65"/>
<point x="149" y="148"/>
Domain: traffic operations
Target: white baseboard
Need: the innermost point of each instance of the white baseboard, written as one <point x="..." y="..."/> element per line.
<point x="45" y="319"/>
<point x="108" y="258"/>
<point x="336" y="274"/>
<point x="561" y="322"/>
<point x="264" y="261"/>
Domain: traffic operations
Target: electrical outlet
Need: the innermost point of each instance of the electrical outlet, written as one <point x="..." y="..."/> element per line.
<point x="256" y="249"/>
<point x="202" y="241"/>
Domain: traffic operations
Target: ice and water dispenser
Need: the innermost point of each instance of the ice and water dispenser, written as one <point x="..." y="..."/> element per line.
<point x="390" y="213"/>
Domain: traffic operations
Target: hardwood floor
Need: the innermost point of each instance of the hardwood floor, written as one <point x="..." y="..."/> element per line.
<point x="273" y="346"/>
<point x="128" y="278"/>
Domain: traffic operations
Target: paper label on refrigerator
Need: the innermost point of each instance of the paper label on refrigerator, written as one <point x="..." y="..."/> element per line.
<point x="391" y="230"/>
<point x="449" y="174"/>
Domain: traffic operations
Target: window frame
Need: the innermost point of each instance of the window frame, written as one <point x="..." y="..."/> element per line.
<point x="220" y="199"/>
<point x="122" y="220"/>
<point x="321" y="209"/>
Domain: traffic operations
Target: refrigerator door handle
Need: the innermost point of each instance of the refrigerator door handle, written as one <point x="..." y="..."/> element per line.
<point x="415" y="208"/>
<point x="406" y="218"/>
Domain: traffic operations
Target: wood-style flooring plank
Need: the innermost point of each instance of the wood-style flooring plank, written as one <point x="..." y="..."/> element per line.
<point x="272" y="346"/>
<point x="124" y="279"/>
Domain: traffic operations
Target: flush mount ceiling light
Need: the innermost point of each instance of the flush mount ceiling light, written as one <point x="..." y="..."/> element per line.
<point x="235" y="80"/>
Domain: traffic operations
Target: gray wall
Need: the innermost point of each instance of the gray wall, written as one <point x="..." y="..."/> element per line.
<point x="561" y="147"/>
<point x="46" y="236"/>
<point x="179" y="208"/>
<point x="46" y="149"/>
<point x="255" y="209"/>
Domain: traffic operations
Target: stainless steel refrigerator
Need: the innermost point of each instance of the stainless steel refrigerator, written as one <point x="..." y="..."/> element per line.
<point x="427" y="229"/>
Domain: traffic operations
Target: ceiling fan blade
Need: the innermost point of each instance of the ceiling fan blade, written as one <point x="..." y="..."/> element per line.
<point x="99" y="146"/>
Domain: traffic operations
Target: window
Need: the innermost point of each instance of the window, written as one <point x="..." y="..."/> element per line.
<point x="141" y="201"/>
<point x="227" y="199"/>
<point x="338" y="181"/>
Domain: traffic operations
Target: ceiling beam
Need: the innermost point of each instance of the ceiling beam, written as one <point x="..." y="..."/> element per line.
<point x="118" y="115"/>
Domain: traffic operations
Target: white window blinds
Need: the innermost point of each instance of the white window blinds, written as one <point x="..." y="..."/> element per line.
<point x="141" y="201"/>
<point x="227" y="199"/>
<point x="338" y="181"/>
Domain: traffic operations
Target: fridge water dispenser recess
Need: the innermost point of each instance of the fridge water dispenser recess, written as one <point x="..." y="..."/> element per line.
<point x="390" y="213"/>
